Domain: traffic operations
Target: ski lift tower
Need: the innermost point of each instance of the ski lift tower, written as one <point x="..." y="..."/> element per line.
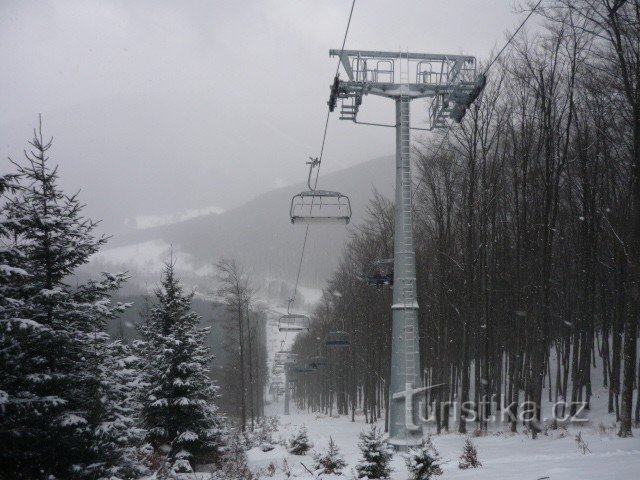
<point x="452" y="84"/>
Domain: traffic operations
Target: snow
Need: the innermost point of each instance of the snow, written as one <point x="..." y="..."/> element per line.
<point x="311" y="295"/>
<point x="149" y="257"/>
<point x="259" y="459"/>
<point x="8" y="270"/>
<point x="503" y="455"/>
<point x="71" y="420"/>
<point x="143" y="222"/>
<point x="188" y="436"/>
<point x="46" y="292"/>
<point x="25" y="323"/>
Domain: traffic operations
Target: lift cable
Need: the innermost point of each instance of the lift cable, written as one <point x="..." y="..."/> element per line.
<point x="326" y="123"/>
<point x="486" y="70"/>
<point x="324" y="139"/>
<point x="512" y="37"/>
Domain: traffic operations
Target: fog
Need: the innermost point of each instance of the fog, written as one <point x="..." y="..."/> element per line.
<point x="164" y="109"/>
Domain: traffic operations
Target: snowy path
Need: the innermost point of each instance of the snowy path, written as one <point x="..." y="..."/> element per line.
<point x="503" y="455"/>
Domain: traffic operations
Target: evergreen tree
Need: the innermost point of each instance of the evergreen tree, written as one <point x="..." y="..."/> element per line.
<point x="331" y="461"/>
<point x="11" y="276"/>
<point x="376" y="454"/>
<point x="119" y="437"/>
<point x="469" y="457"/>
<point x="233" y="465"/>
<point x="423" y="463"/>
<point x="52" y="336"/>
<point x="178" y="405"/>
<point x="299" y="443"/>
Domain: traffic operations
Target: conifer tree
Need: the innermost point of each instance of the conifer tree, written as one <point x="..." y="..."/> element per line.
<point x="423" y="462"/>
<point x="11" y="276"/>
<point x="299" y="443"/>
<point x="330" y="461"/>
<point x="233" y="465"/>
<point x="376" y="454"/>
<point x="119" y="437"/>
<point x="469" y="457"/>
<point x="52" y="335"/>
<point x="178" y="405"/>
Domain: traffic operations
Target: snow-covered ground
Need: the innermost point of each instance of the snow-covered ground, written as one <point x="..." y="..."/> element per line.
<point x="504" y="455"/>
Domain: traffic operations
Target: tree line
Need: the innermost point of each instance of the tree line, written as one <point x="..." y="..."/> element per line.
<point x="527" y="234"/>
<point x="77" y="402"/>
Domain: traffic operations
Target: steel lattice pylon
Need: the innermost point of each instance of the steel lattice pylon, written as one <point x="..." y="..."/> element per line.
<point x="451" y="81"/>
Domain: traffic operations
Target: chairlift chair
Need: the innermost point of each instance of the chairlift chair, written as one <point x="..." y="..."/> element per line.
<point x="381" y="273"/>
<point x="337" y="339"/>
<point x="316" y="362"/>
<point x="286" y="358"/>
<point x="273" y="388"/>
<point x="293" y="322"/>
<point x="379" y="279"/>
<point x="319" y="206"/>
<point x="301" y="369"/>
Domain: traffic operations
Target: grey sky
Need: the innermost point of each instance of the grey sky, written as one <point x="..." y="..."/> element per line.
<point x="188" y="104"/>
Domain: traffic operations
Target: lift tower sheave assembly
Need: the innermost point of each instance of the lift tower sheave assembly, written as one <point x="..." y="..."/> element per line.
<point x="452" y="84"/>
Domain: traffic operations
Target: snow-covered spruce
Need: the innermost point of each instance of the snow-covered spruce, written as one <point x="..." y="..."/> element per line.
<point x="233" y="465"/>
<point x="330" y="461"/>
<point x="376" y="454"/>
<point x="262" y="435"/>
<point x="179" y="408"/>
<point x="299" y="444"/>
<point x="423" y="462"/>
<point x="469" y="457"/>
<point x="119" y="434"/>
<point x="57" y="404"/>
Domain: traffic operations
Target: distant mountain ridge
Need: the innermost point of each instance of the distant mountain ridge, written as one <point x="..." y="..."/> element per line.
<point x="260" y="235"/>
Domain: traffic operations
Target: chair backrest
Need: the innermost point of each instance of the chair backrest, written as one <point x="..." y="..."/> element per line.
<point x="338" y="339"/>
<point x="293" y="323"/>
<point x="320" y="206"/>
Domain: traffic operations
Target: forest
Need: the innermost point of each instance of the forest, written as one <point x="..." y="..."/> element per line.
<point x="527" y="227"/>
<point x="79" y="402"/>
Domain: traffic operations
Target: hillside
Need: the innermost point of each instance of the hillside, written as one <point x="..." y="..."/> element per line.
<point x="258" y="233"/>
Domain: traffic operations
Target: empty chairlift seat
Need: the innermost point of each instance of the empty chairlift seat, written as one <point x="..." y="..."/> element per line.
<point x="274" y="388"/>
<point x="286" y="358"/>
<point x="320" y="206"/>
<point x="293" y="323"/>
<point x="316" y="362"/>
<point x="381" y="273"/>
<point x="337" y="339"/>
<point x="301" y="369"/>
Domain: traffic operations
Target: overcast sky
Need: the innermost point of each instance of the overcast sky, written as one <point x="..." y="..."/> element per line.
<point x="162" y="106"/>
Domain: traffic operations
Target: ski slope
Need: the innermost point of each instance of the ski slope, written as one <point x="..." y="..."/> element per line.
<point x="504" y="456"/>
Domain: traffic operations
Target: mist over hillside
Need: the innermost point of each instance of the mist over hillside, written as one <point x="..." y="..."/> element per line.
<point x="259" y="234"/>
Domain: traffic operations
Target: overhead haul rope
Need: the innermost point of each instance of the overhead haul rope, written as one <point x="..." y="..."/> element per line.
<point x="486" y="70"/>
<point x="440" y="145"/>
<point x="324" y="139"/>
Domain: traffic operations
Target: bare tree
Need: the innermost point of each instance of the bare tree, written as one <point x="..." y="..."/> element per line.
<point x="236" y="294"/>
